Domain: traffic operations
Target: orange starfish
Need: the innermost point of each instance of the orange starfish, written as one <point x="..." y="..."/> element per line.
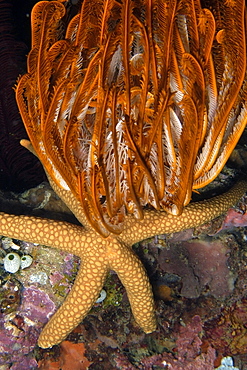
<point x="138" y="103"/>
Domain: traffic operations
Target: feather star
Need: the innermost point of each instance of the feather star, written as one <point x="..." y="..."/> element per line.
<point x="129" y="105"/>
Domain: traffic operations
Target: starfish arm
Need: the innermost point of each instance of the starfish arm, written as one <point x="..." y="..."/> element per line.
<point x="193" y="215"/>
<point x="133" y="276"/>
<point x="85" y="291"/>
<point x="58" y="234"/>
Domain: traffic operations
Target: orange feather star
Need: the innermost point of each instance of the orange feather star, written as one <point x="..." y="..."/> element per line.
<point x="140" y="102"/>
<point x="136" y="103"/>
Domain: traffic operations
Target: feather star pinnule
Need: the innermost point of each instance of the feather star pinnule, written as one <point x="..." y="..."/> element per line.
<point x="136" y="104"/>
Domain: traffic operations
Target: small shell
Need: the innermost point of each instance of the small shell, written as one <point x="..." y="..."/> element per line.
<point x="102" y="296"/>
<point x="12" y="262"/>
<point x="26" y="261"/>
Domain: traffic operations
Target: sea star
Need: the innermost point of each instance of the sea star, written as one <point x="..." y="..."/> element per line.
<point x="136" y="104"/>
<point x="99" y="255"/>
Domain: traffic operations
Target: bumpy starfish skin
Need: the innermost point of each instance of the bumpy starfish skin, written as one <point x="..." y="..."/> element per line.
<point x="99" y="255"/>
